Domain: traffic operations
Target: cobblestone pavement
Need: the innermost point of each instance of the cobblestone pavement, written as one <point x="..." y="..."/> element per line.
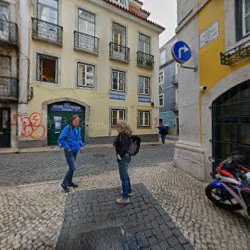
<point x="144" y="220"/>
<point x="32" y="216"/>
<point x="37" y="167"/>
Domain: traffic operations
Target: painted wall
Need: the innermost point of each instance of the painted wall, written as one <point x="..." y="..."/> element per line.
<point x="98" y="98"/>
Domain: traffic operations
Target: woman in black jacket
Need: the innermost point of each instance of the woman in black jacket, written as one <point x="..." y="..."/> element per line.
<point x="122" y="144"/>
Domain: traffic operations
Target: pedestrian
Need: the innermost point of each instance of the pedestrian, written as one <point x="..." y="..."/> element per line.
<point x="122" y="144"/>
<point x="163" y="131"/>
<point x="71" y="141"/>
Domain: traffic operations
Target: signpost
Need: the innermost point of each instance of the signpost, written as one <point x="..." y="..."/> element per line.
<point x="182" y="53"/>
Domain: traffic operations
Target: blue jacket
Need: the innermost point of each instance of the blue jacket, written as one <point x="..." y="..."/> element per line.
<point x="70" y="139"/>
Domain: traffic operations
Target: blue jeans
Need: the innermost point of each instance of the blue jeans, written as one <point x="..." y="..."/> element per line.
<point x="71" y="161"/>
<point x="163" y="138"/>
<point x="123" y="171"/>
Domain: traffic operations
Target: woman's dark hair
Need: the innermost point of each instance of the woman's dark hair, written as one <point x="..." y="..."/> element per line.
<point x="73" y="118"/>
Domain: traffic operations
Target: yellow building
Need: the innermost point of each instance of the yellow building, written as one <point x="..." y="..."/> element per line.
<point x="214" y="105"/>
<point x="98" y="59"/>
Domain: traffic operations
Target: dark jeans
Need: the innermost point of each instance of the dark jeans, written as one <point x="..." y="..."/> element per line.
<point x="123" y="171"/>
<point x="163" y="138"/>
<point x="71" y="160"/>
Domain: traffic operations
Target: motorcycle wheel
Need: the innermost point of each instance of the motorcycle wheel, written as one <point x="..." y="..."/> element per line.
<point x="214" y="195"/>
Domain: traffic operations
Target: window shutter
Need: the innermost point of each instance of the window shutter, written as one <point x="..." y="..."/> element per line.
<point x="238" y="19"/>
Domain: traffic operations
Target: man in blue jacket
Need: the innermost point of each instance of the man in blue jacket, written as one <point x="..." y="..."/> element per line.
<point x="71" y="141"/>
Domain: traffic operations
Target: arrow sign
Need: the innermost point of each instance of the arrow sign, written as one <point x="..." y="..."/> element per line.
<point x="181" y="52"/>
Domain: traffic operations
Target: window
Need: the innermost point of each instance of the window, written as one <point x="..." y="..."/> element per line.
<point x="163" y="56"/>
<point x="86" y="22"/>
<point x="144" y="118"/>
<point x="242" y="14"/>
<point x="47" y="10"/>
<point x="246" y="17"/>
<point x="161" y="77"/>
<point x="161" y="100"/>
<point x="122" y="2"/>
<point x="144" y="85"/>
<point x="5" y="66"/>
<point x="144" y="44"/>
<point x="47" y="68"/>
<point x="117" y="115"/>
<point x="4" y="17"/>
<point x="86" y="75"/>
<point x="118" y="81"/>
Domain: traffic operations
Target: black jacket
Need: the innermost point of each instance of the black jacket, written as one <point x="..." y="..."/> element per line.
<point x="122" y="143"/>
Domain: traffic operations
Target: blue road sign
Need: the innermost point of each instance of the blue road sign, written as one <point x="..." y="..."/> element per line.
<point x="181" y="52"/>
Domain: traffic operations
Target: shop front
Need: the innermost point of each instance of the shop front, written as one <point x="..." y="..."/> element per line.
<point x="59" y="115"/>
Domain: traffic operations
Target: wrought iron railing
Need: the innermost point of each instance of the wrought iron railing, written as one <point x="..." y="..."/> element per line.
<point x="86" y="42"/>
<point x="8" y="32"/>
<point x="236" y="54"/>
<point x="119" y="52"/>
<point x="44" y="30"/>
<point x="145" y="60"/>
<point x="8" y="88"/>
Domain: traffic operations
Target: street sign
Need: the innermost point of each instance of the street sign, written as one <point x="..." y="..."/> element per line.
<point x="181" y="52"/>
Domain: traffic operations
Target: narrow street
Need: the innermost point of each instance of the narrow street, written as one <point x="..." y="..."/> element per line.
<point x="169" y="209"/>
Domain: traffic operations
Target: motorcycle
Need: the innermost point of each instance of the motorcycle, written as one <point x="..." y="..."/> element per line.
<point x="231" y="188"/>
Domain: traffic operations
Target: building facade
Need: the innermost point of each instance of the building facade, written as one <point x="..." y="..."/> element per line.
<point x="8" y="71"/>
<point x="214" y="107"/>
<point x="168" y="88"/>
<point x="97" y="59"/>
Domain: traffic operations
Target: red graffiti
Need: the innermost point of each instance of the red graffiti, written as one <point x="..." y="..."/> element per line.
<point x="31" y="126"/>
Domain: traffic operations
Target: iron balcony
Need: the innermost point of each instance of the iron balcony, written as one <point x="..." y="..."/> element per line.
<point x="8" y="33"/>
<point x="50" y="32"/>
<point x="8" y="89"/>
<point x="119" y="52"/>
<point x="236" y="54"/>
<point x="85" y="42"/>
<point x="145" y="60"/>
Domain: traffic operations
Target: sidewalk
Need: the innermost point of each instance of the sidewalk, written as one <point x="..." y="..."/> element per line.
<point x="170" y="139"/>
<point x="169" y="209"/>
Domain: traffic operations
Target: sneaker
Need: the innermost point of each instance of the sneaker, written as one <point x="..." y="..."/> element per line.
<point x="73" y="185"/>
<point x="65" y="188"/>
<point x="122" y="201"/>
<point x="129" y="195"/>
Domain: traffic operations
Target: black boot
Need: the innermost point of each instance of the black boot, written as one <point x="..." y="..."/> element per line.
<point x="65" y="188"/>
<point x="73" y="185"/>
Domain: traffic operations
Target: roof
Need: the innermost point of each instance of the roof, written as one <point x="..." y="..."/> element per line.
<point x="134" y="13"/>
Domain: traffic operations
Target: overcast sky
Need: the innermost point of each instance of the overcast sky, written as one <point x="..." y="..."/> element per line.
<point x="163" y="12"/>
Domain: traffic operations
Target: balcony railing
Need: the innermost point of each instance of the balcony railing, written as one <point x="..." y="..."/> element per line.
<point x="46" y="31"/>
<point x="8" y="32"/>
<point x="236" y="54"/>
<point x="119" y="52"/>
<point x="86" y="42"/>
<point x="145" y="60"/>
<point x="8" y="88"/>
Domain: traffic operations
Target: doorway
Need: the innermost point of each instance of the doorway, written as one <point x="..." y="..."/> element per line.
<point x="5" y="128"/>
<point x="59" y="115"/>
<point x="231" y="123"/>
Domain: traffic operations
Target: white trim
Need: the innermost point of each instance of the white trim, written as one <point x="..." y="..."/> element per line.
<point x="244" y="16"/>
<point x="144" y="112"/>
<point x="144" y="86"/>
<point x="118" y="80"/>
<point x="85" y="65"/>
<point x="163" y="100"/>
<point x="117" y="115"/>
<point x="163" y="77"/>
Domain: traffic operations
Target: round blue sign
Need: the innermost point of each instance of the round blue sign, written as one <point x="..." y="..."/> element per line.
<point x="181" y="52"/>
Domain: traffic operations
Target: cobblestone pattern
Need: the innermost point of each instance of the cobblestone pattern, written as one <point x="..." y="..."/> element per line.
<point x="144" y="219"/>
<point x="36" y="167"/>
<point x="31" y="216"/>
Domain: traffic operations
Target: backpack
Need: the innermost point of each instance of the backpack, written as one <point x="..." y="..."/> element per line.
<point x="134" y="146"/>
<point x="68" y="135"/>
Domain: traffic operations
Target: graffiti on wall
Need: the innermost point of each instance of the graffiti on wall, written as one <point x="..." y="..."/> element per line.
<point x="31" y="126"/>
